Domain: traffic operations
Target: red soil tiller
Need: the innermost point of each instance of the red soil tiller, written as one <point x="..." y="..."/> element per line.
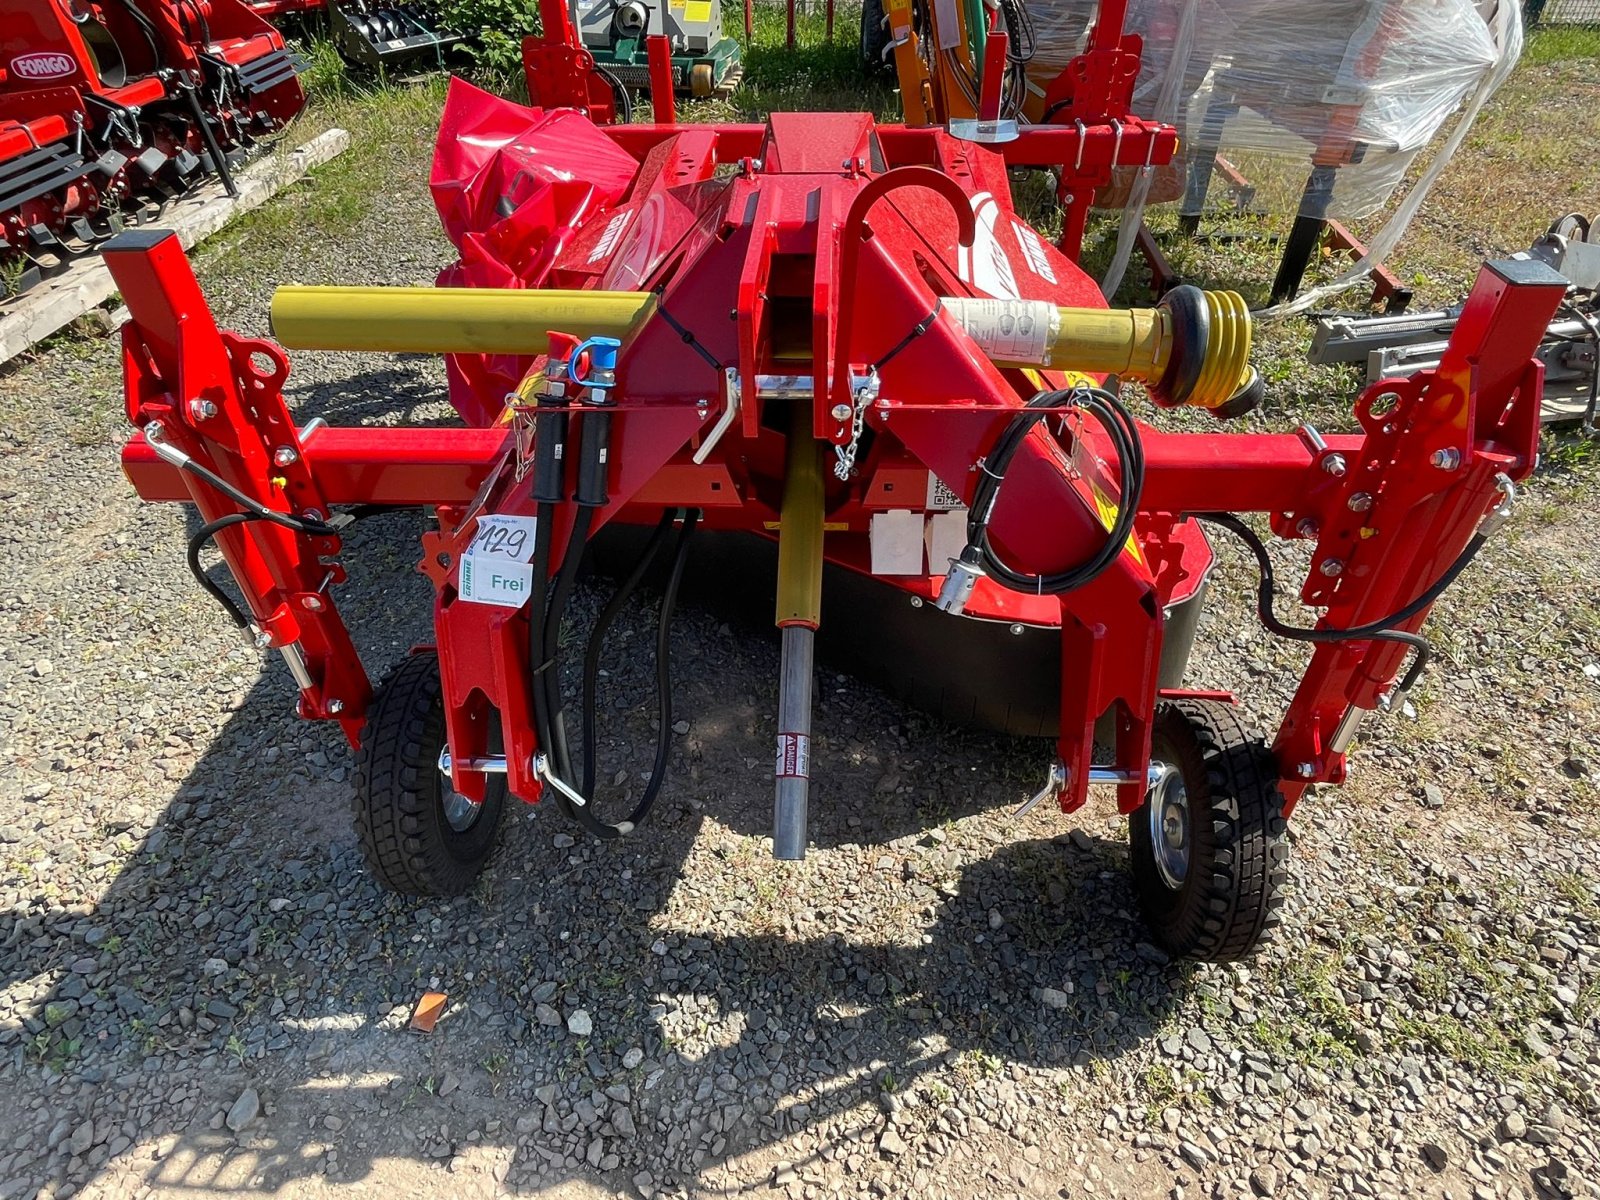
<point x="109" y="106"/>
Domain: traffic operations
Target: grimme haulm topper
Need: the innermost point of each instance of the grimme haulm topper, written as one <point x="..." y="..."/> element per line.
<point x="838" y="336"/>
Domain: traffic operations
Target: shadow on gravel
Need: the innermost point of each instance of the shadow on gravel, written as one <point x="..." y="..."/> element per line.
<point x="407" y="390"/>
<point x="733" y="1001"/>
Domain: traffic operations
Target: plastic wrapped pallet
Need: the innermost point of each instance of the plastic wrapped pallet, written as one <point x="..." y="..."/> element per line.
<point x="1359" y="87"/>
<point x="1362" y="84"/>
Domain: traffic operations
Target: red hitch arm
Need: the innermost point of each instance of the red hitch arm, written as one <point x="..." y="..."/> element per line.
<point x="216" y="400"/>
<point x="1439" y="451"/>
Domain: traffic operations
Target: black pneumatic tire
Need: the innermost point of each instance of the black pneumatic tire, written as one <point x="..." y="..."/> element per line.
<point x="1232" y="891"/>
<point x="874" y="40"/>
<point x="400" y="794"/>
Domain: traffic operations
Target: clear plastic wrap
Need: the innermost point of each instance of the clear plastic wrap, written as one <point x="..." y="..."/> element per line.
<point x="1275" y="85"/>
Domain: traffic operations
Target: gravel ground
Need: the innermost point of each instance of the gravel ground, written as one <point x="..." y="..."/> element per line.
<point x="203" y="991"/>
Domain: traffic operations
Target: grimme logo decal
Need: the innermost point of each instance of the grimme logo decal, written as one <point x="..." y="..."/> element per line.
<point x="43" y="65"/>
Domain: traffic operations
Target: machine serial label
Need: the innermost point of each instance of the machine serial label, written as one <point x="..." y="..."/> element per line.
<point x="497" y="567"/>
<point x="794" y="756"/>
<point x="940" y="497"/>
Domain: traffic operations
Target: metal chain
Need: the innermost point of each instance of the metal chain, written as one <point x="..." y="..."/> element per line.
<point x="846" y="454"/>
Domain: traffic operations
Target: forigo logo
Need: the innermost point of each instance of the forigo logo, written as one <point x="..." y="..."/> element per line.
<point x="44" y="64"/>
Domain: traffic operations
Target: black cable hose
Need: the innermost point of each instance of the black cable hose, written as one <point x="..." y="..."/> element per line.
<point x="558" y="750"/>
<point x="1380" y="630"/>
<point x="597" y="637"/>
<point x="305" y="525"/>
<point x="210" y="530"/>
<point x="203" y="535"/>
<point x="584" y="813"/>
<point x="1124" y="435"/>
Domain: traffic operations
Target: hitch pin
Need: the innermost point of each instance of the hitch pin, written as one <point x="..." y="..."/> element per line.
<point x="541" y="768"/>
<point x="1056" y="782"/>
<point x="1501" y="512"/>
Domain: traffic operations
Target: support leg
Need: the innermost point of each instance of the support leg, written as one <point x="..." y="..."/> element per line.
<point x="1306" y="234"/>
<point x="799" y="612"/>
<point x="1203" y="161"/>
<point x="791" y="801"/>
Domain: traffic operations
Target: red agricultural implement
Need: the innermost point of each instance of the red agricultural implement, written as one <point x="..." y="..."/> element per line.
<point x="837" y="337"/>
<point x="106" y="106"/>
<point x="376" y="34"/>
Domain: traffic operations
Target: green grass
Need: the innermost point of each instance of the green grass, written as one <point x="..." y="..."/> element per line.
<point x="1561" y="43"/>
<point x="386" y="121"/>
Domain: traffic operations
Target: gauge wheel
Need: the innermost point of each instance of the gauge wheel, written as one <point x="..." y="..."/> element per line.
<point x="1209" y="855"/>
<point x="420" y="836"/>
<point x="702" y="81"/>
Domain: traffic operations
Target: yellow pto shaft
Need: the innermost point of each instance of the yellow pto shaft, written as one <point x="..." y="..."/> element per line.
<point x="1192" y="348"/>
<point x="425" y="320"/>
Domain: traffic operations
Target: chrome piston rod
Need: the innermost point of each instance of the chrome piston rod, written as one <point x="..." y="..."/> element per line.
<point x="792" y="770"/>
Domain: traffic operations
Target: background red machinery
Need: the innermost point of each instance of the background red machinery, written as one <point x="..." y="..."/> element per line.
<point x="839" y="337"/>
<point x="107" y="104"/>
<point x="374" y="34"/>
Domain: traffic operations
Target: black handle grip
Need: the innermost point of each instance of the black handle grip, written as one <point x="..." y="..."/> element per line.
<point x="591" y="491"/>
<point x="549" y="446"/>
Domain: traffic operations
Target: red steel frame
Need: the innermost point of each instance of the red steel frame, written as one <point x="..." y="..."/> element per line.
<point x="762" y="268"/>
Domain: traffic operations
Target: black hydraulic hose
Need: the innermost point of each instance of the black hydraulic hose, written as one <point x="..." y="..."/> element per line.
<point x="658" y="771"/>
<point x="669" y="601"/>
<point x="148" y="29"/>
<point x="623" y="96"/>
<point x="1119" y="425"/>
<point x="1379" y="630"/>
<point x="597" y="637"/>
<point x="203" y="535"/>
<point x="559" y="753"/>
<point x="541" y="664"/>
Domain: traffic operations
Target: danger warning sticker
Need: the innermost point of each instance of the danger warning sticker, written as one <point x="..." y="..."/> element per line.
<point x="794" y="756"/>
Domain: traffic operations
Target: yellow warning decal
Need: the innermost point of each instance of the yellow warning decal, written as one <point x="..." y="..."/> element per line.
<point x="527" y="391"/>
<point x="697" y="10"/>
<point x="1069" y="379"/>
<point x="1107" y="508"/>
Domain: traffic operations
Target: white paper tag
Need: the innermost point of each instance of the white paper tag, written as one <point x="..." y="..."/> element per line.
<point x="895" y="538"/>
<point x="497" y="567"/>
<point x="1011" y="330"/>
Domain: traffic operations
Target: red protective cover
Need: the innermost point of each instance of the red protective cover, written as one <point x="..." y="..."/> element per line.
<point x="512" y="185"/>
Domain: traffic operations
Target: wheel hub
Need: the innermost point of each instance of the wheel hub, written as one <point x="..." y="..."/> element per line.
<point x="460" y="812"/>
<point x="1170" y="839"/>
